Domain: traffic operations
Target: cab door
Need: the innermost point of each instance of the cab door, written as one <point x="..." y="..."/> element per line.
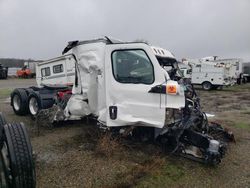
<point x="131" y="70"/>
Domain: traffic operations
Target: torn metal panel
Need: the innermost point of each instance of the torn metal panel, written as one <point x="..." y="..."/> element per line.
<point x="90" y="63"/>
<point x="77" y="106"/>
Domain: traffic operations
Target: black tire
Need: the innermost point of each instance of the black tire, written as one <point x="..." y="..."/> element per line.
<point x="2" y="123"/>
<point x="2" y="120"/>
<point x="207" y="86"/>
<point x="16" y="158"/>
<point x="19" y="101"/>
<point x="34" y="104"/>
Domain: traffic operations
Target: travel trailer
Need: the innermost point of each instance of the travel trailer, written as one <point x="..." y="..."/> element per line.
<point x="56" y="71"/>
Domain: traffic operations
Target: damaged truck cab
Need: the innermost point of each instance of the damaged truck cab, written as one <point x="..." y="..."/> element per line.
<point x="122" y="84"/>
<point x="132" y="90"/>
<point x="127" y="89"/>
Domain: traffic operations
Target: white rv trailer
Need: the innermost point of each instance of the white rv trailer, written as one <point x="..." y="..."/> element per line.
<point x="56" y="71"/>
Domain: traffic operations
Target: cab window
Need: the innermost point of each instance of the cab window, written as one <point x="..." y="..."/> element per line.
<point x="132" y="66"/>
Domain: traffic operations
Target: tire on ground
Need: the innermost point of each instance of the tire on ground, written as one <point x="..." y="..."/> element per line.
<point x="16" y="149"/>
<point x="2" y="120"/>
<point x="2" y="123"/>
<point x="34" y="103"/>
<point x="19" y="101"/>
<point x="207" y="85"/>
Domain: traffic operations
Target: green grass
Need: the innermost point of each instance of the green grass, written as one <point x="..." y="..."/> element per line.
<point x="169" y="175"/>
<point x="237" y="87"/>
<point x="243" y="125"/>
<point x="5" y="93"/>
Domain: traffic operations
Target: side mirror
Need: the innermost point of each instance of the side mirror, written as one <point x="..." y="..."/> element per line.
<point x="158" y="89"/>
<point x="164" y="89"/>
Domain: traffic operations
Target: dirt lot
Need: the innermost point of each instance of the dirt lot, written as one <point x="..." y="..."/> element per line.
<point x="75" y="155"/>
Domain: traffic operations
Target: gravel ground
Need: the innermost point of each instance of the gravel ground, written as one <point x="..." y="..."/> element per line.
<point x="12" y="83"/>
<point x="75" y="155"/>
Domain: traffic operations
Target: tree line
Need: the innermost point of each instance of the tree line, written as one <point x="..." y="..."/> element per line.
<point x="12" y="62"/>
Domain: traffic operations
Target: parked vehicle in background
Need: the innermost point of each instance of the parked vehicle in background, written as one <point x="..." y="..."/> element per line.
<point x="3" y="72"/>
<point x="243" y="69"/>
<point x="56" y="71"/>
<point x="12" y="71"/>
<point x="28" y="70"/>
<point x="210" y="73"/>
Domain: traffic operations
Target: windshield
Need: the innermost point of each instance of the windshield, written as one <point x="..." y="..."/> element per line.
<point x="171" y="66"/>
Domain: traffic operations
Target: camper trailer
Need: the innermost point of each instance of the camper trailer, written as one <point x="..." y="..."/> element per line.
<point x="56" y="71"/>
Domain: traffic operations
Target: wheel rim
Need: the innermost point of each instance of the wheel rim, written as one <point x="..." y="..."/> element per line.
<point x="33" y="106"/>
<point x="5" y="171"/>
<point x="16" y="102"/>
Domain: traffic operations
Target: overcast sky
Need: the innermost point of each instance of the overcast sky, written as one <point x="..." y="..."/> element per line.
<point x="189" y="28"/>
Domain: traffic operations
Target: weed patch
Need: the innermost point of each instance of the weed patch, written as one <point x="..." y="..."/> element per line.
<point x="243" y="125"/>
<point x="136" y="173"/>
<point x="108" y="146"/>
<point x="5" y="93"/>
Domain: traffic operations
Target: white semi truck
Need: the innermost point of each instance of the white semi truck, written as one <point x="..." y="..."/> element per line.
<point x="126" y="89"/>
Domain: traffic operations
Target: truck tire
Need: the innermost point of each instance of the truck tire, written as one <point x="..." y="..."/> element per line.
<point x="34" y="104"/>
<point x="207" y="86"/>
<point x="2" y="123"/>
<point x="18" y="170"/>
<point x="19" y="101"/>
<point x="28" y="90"/>
<point x="2" y="120"/>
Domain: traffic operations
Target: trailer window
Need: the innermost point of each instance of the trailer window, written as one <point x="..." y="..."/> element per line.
<point x="45" y="71"/>
<point x="132" y="66"/>
<point x="57" y="68"/>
